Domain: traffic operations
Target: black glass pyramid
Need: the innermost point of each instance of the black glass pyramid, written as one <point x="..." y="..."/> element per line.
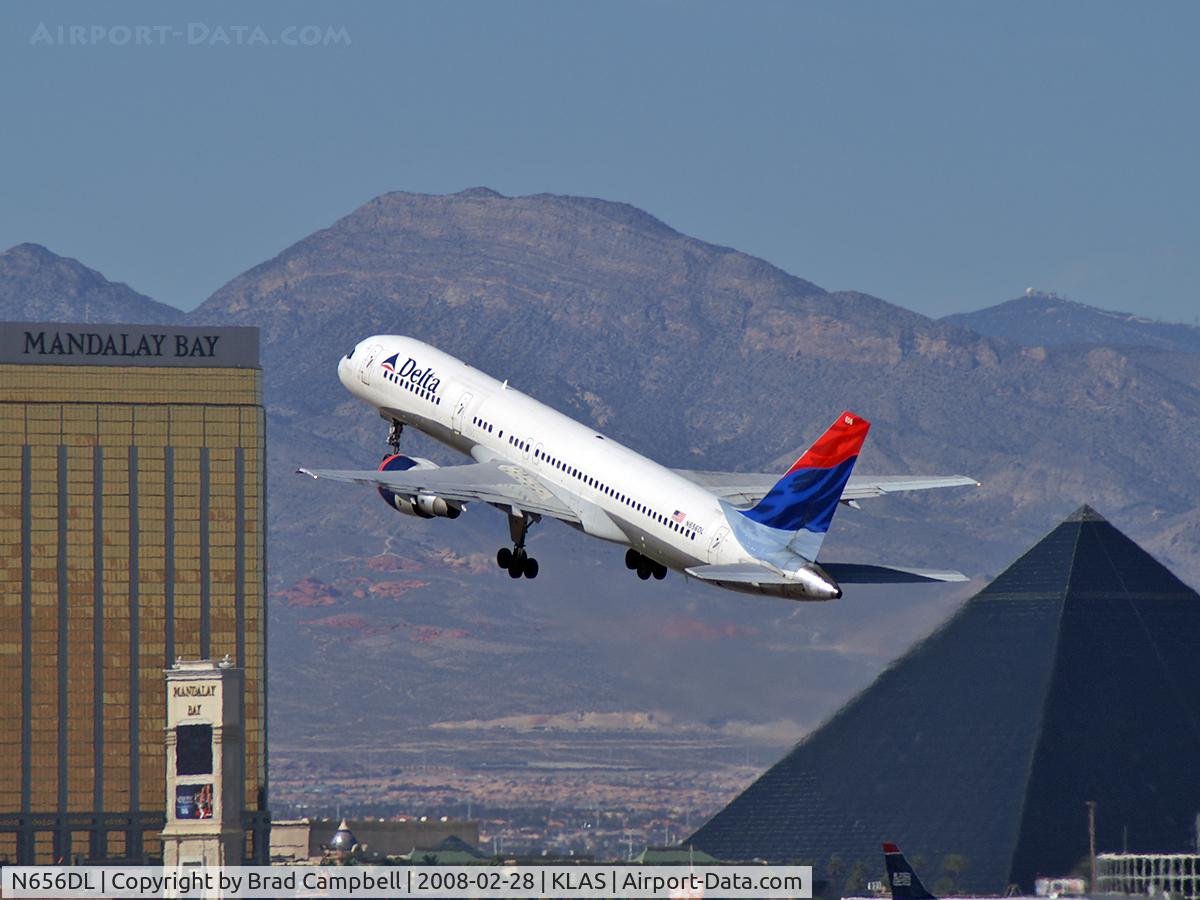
<point x="1074" y="676"/>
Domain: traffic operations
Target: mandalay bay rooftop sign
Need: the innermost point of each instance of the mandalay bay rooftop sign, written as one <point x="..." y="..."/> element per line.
<point x="58" y="343"/>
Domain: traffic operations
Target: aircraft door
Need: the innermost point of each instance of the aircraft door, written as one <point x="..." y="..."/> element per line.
<point x="460" y="412"/>
<point x="537" y="456"/>
<point x="718" y="539"/>
<point x="368" y="363"/>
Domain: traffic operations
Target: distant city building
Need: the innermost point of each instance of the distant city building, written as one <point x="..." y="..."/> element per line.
<point x="674" y="856"/>
<point x="392" y="837"/>
<point x="289" y="840"/>
<point x="449" y="852"/>
<point x="1149" y="874"/>
<point x="343" y="846"/>
<point x="302" y="840"/>
<point x="132" y="515"/>
<point x="1072" y="677"/>
<point x="1063" y="886"/>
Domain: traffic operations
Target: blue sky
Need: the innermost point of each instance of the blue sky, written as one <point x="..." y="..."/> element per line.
<point x="943" y="156"/>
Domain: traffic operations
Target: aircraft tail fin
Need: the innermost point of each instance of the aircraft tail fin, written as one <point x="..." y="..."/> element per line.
<point x="904" y="881"/>
<point x="804" y="500"/>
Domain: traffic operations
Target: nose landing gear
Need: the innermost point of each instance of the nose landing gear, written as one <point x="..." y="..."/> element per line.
<point x="393" y="438"/>
<point x="516" y="560"/>
<point x="644" y="566"/>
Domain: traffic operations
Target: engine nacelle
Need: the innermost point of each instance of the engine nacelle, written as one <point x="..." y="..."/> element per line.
<point x="423" y="506"/>
<point x="429" y="505"/>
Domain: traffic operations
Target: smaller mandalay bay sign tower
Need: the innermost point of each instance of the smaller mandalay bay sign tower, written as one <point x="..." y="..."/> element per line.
<point x="205" y="758"/>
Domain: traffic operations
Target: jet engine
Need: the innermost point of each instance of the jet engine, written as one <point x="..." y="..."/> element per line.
<point x="423" y="506"/>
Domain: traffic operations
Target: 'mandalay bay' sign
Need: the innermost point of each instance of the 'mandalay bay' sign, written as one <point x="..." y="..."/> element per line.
<point x="60" y="343"/>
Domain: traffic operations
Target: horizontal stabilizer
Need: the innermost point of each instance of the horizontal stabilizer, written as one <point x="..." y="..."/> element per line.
<point x="861" y="573"/>
<point x="877" y="485"/>
<point x="739" y="573"/>
<point x="747" y="488"/>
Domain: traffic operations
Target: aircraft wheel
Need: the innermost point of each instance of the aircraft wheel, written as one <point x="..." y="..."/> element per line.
<point x="631" y="558"/>
<point x="644" y="571"/>
<point x="531" y="567"/>
<point x="660" y="572"/>
<point x="515" y="569"/>
<point x="503" y="557"/>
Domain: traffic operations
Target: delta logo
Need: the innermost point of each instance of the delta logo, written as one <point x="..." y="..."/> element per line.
<point x="423" y="378"/>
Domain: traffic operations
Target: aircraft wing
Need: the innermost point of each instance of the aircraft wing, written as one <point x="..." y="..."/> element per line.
<point x="502" y="484"/>
<point x="746" y="488"/>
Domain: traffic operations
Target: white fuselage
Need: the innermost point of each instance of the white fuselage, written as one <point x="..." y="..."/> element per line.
<point x="621" y="495"/>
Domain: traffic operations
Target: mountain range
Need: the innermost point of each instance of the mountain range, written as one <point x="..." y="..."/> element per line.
<point x="36" y="284"/>
<point x="393" y="638"/>
<point x="1041" y="319"/>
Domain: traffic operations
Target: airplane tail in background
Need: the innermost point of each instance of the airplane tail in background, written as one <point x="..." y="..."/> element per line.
<point x="904" y="881"/>
<point x="803" y="501"/>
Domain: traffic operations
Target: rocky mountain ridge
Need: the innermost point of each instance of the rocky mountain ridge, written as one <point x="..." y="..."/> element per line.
<point x="38" y="285"/>
<point x="1041" y="319"/>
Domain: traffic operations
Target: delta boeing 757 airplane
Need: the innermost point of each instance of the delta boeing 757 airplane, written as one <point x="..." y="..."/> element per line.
<point x="754" y="533"/>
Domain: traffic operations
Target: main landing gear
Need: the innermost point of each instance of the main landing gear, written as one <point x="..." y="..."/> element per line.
<point x="393" y="437"/>
<point x="516" y="560"/>
<point x="644" y="566"/>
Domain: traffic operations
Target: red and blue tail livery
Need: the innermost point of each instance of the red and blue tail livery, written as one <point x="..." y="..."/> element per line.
<point x="806" y="497"/>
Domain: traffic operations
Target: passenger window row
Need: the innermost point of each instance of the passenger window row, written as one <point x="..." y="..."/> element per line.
<point x="483" y="425"/>
<point x="421" y="392"/>
<point x="642" y="508"/>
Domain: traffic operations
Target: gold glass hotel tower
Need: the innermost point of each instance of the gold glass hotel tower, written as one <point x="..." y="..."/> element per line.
<point x="132" y="507"/>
